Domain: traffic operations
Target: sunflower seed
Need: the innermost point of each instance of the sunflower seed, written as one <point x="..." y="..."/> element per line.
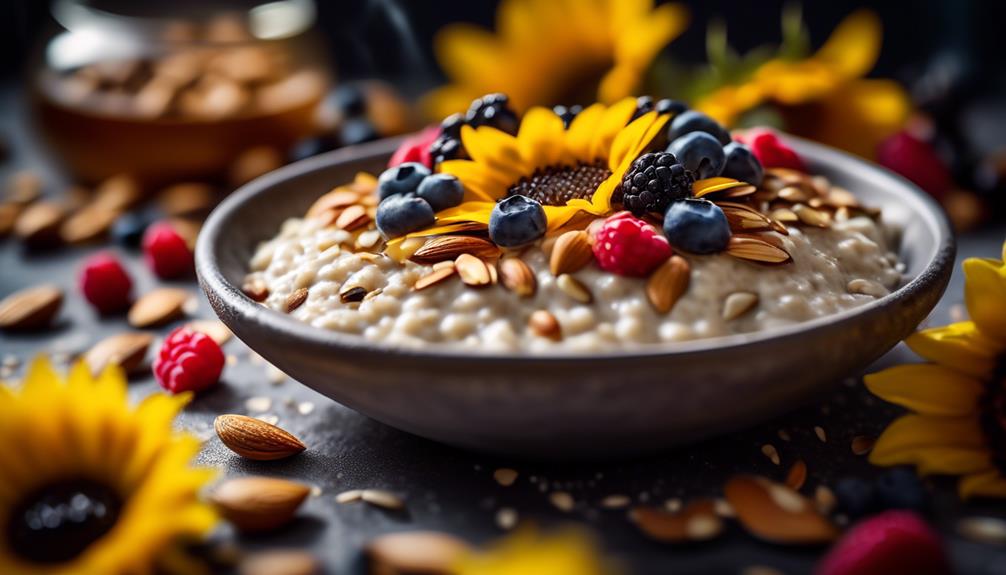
<point x="758" y="249"/>
<point x="384" y="499"/>
<point x="819" y="431"/>
<point x="793" y="194"/>
<point x="352" y="294"/>
<point x="562" y="501"/>
<point x="769" y="450"/>
<point x="812" y="217"/>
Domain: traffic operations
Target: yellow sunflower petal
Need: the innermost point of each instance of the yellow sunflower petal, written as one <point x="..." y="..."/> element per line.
<point x="467" y="212"/>
<point x="959" y="346"/>
<point x="927" y="388"/>
<point x="541" y="138"/>
<point x="711" y="185"/>
<point x="446" y="100"/>
<point x="557" y="216"/>
<point x="480" y="183"/>
<point x="466" y="53"/>
<point x="634" y="138"/>
<point x="496" y="150"/>
<point x="611" y="126"/>
<point x="988" y="484"/>
<point x="581" y="132"/>
<point x="41" y="378"/>
<point x="985" y="295"/>
<point x="643" y="38"/>
<point x="853" y="47"/>
<point x="911" y="432"/>
<point x="952" y="461"/>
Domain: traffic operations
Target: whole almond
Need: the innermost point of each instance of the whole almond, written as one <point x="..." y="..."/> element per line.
<point x="517" y="277"/>
<point x="158" y="307"/>
<point x="472" y="270"/>
<point x="255" y="439"/>
<point x="296" y="299"/>
<point x="696" y="522"/>
<point x="214" y="328"/>
<point x="543" y="323"/>
<point x="668" y="283"/>
<point x="574" y="288"/>
<point x="450" y="247"/>
<point x="32" y="308"/>
<point x="39" y="223"/>
<point x="280" y="562"/>
<point x="428" y="552"/>
<point x="125" y="350"/>
<point x="776" y="513"/>
<point x="257" y="504"/>
<point x="118" y="193"/>
<point x="89" y="224"/>
<point x="570" y="253"/>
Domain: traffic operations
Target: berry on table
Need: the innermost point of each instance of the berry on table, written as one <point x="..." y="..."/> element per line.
<point x="653" y="181"/>
<point x="105" y="283"/>
<point x="493" y="110"/>
<point x="166" y="252"/>
<point x="441" y="191"/>
<point x="741" y="164"/>
<point x="188" y="361"/>
<point x="403" y="213"/>
<point x="916" y="160"/>
<point x="628" y="246"/>
<point x="696" y="226"/>
<point x="416" y="148"/>
<point x="901" y="488"/>
<point x="892" y="542"/>
<point x="856" y="497"/>
<point x="128" y="228"/>
<point x="700" y="154"/>
<point x="401" y="179"/>
<point x="516" y="220"/>
<point x="770" y="150"/>
<point x="691" y="121"/>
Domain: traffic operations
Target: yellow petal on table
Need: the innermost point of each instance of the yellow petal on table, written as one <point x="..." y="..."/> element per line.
<point x="911" y="432"/>
<point x="985" y="295"/>
<point x="987" y="484"/>
<point x="853" y="47"/>
<point x="959" y="346"/>
<point x="927" y="388"/>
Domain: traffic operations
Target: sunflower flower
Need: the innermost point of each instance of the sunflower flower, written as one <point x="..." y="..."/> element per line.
<point x="824" y="97"/>
<point x="91" y="486"/>
<point x="959" y="398"/>
<point x="528" y="552"/>
<point x="567" y="171"/>
<point x="548" y="52"/>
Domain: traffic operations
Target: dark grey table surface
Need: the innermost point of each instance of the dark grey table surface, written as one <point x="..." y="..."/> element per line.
<point x="454" y="491"/>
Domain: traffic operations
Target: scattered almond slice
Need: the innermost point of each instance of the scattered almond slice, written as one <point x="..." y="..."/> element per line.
<point x="776" y="513"/>
<point x="738" y="304"/>
<point x="574" y="288"/>
<point x="125" y="350"/>
<point x="295" y="299"/>
<point x="352" y="218"/>
<point x="32" y="308"/>
<point x="214" y="328"/>
<point x="158" y="307"/>
<point x="797" y="475"/>
<point x="434" y="277"/>
<point x="427" y="552"/>
<point x="384" y="499"/>
<point x="697" y="521"/>
<point x="517" y="276"/>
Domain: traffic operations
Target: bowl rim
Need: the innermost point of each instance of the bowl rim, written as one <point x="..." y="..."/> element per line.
<point x="213" y="282"/>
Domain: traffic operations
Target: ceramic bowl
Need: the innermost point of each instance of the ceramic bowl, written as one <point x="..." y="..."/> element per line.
<point x="572" y="405"/>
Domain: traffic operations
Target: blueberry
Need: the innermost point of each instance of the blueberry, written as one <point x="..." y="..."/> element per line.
<point x="900" y="488"/>
<point x="696" y="226"/>
<point x="128" y="228"/>
<point x="700" y="154"/>
<point x="401" y="179"/>
<point x="357" y="131"/>
<point x="350" y="100"/>
<point x="516" y="221"/>
<point x="668" y="106"/>
<point x="693" y="121"/>
<point x="856" y="497"/>
<point x="442" y="191"/>
<point x="742" y="164"/>
<point x="309" y="147"/>
<point x="403" y="213"/>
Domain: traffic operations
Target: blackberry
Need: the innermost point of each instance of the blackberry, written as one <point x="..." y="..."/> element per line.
<point x="493" y="110"/>
<point x="654" y="181"/>
<point x="448" y="146"/>
<point x="567" y="113"/>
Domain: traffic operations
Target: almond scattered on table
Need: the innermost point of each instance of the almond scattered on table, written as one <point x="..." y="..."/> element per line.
<point x="415" y="553"/>
<point x="280" y="562"/>
<point x="255" y="439"/>
<point x="797" y="475"/>
<point x="697" y="521"/>
<point x="30" y="309"/>
<point x="158" y="307"/>
<point x="258" y="504"/>
<point x="126" y="350"/>
<point x="505" y="476"/>
<point x="214" y="328"/>
<point x="775" y="513"/>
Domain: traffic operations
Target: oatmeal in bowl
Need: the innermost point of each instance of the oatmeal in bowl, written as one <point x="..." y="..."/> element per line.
<point x="621" y="227"/>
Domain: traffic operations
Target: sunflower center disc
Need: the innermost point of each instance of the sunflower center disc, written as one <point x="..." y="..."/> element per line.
<point x="61" y="520"/>
<point x="992" y="415"/>
<point x="556" y="185"/>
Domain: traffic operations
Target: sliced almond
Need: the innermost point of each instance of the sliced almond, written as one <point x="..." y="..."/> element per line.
<point x="544" y="324"/>
<point x="381" y="498"/>
<point x="574" y="288"/>
<point x="255" y="439"/>
<point x="433" y="278"/>
<point x="214" y="328"/>
<point x="517" y="276"/>
<point x="258" y="504"/>
<point x="158" y="307"/>
<point x="338" y="199"/>
<point x="443" y="248"/>
<point x="697" y="521"/>
<point x="812" y="217"/>
<point x="756" y="249"/>
<point x="797" y="475"/>
<point x="415" y="552"/>
<point x="352" y="218"/>
<point x="472" y="270"/>
<point x="89" y="224"/>
<point x="280" y="562"/>
<point x="738" y="304"/>
<point x="295" y="299"/>
<point x="668" y="283"/>
<point x="793" y="194"/>
<point x="776" y="513"/>
<point x="784" y="215"/>
<point x="39" y="223"/>
<point x="125" y="350"/>
<point x="570" y="253"/>
<point x="32" y="308"/>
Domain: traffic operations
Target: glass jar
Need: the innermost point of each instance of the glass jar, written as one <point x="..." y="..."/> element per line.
<point x="175" y="90"/>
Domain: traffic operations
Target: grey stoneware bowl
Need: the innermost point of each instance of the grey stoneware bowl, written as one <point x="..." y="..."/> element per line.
<point x="571" y="405"/>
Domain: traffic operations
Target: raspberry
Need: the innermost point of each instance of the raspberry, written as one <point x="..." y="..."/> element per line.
<point x="770" y="150"/>
<point x="416" y="148"/>
<point x="628" y="246"/>
<point x="105" y="283"/>
<point x="167" y="253"/>
<point x="916" y="160"/>
<point x="892" y="542"/>
<point x="188" y="361"/>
